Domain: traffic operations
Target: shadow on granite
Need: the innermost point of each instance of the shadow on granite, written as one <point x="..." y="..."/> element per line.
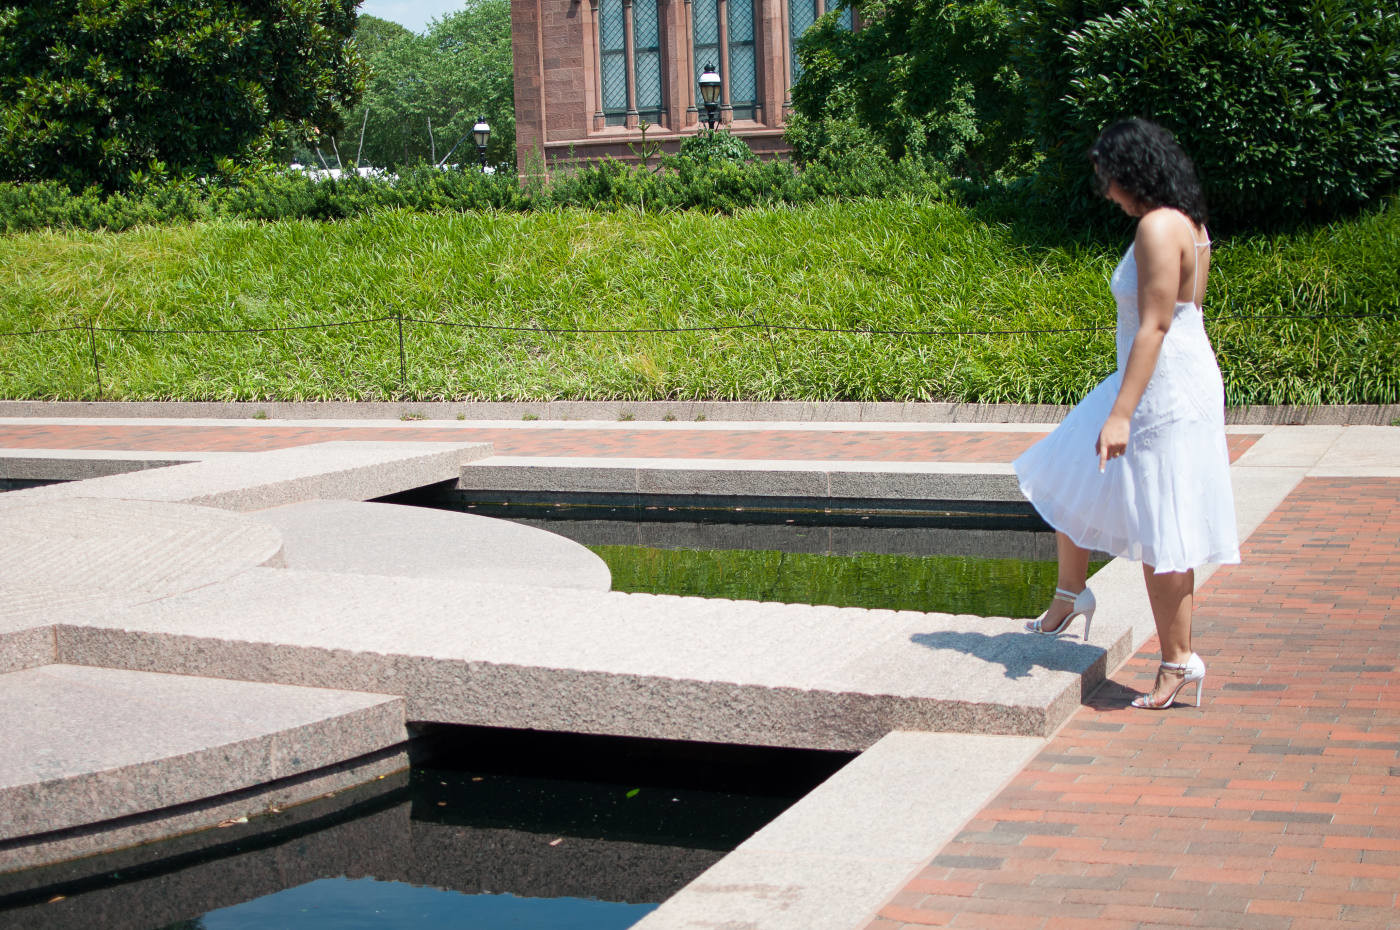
<point x="1067" y="654"/>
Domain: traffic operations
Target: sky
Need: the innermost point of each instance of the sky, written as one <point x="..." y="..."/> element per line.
<point x="411" y="13"/>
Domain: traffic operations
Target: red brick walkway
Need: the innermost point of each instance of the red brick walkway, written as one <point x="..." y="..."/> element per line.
<point x="838" y="445"/>
<point x="1274" y="805"/>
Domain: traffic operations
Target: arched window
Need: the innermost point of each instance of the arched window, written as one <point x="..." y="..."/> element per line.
<point x="631" y="72"/>
<point x="801" y="15"/>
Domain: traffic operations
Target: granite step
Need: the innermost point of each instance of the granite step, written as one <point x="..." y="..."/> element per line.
<point x="91" y="746"/>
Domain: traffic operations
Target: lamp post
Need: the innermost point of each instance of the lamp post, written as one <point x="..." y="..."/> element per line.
<point x="481" y="132"/>
<point x="709" y="93"/>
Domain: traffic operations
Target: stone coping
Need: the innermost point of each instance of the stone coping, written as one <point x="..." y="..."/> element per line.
<point x="255" y="481"/>
<point x="830" y="860"/>
<point x="81" y="464"/>
<point x="932" y="481"/>
<point x="848" y="411"/>
<point x="86" y="745"/>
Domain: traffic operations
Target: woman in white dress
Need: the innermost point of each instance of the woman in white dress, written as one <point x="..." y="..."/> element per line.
<point x="1139" y="468"/>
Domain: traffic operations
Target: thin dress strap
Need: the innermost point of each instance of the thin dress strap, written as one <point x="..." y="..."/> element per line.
<point x="1196" y="268"/>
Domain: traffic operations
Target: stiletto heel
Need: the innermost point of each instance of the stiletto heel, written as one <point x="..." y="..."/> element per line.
<point x="1084" y="606"/>
<point x="1193" y="671"/>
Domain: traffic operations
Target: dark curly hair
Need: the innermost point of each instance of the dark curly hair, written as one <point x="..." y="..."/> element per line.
<point x="1149" y="164"/>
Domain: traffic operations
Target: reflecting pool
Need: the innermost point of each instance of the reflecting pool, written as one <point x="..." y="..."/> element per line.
<point x="491" y="829"/>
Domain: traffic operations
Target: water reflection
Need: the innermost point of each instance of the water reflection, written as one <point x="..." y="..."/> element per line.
<point x="493" y="829"/>
<point x="368" y="859"/>
<point x="348" y="904"/>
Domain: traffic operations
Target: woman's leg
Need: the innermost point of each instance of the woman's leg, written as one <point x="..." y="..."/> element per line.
<point x="1170" y="596"/>
<point x="1072" y="576"/>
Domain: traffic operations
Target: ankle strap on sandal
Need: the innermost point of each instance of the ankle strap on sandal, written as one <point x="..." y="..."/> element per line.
<point x="1062" y="595"/>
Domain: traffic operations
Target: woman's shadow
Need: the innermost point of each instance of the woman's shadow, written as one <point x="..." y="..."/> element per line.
<point x="1019" y="652"/>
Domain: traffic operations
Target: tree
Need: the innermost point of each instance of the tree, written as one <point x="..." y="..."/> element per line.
<point x="1290" y="108"/>
<point x="928" y="78"/>
<point x="459" y="71"/>
<point x="115" y="92"/>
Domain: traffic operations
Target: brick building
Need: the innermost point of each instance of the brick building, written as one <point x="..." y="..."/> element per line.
<point x="588" y="72"/>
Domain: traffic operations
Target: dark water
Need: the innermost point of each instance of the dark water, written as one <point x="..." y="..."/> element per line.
<point x="542" y="830"/>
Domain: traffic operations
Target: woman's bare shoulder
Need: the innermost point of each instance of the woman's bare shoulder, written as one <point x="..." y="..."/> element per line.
<point x="1164" y="227"/>
<point x="1164" y="219"/>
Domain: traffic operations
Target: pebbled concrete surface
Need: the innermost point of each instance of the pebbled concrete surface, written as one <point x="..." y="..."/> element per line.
<point x="360" y="538"/>
<point x="78" y="555"/>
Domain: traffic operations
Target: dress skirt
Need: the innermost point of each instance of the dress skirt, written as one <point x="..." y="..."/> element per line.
<point x="1166" y="501"/>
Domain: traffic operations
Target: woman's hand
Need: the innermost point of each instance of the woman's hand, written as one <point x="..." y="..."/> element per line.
<point x="1113" y="439"/>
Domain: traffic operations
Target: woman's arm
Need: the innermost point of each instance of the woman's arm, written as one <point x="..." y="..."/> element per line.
<point x="1158" y="250"/>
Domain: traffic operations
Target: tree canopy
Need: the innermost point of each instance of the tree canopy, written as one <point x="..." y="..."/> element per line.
<point x="926" y="78"/>
<point x="1291" y="108"/>
<point x="117" y="92"/>
<point x="425" y="92"/>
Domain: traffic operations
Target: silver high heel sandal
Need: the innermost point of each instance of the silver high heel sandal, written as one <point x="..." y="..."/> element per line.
<point x="1084" y="605"/>
<point x="1192" y="670"/>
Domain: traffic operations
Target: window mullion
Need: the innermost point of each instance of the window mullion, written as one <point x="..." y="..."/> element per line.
<point x="631" y="58"/>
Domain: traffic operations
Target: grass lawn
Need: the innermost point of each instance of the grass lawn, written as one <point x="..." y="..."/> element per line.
<point x="892" y="264"/>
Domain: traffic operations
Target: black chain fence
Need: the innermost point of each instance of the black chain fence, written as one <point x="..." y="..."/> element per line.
<point x="757" y="325"/>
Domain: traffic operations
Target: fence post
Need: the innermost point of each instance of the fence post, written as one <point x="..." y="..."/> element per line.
<point x="403" y="360"/>
<point x="772" y="349"/>
<point x="92" y="347"/>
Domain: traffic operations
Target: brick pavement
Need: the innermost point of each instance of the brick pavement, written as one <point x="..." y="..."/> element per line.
<point x="1274" y="805"/>
<point x="828" y="445"/>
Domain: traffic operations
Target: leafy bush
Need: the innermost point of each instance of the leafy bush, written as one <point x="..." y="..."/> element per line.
<point x="1290" y="108"/>
<point x="928" y="79"/>
<point x="51" y="204"/>
<point x="706" y="178"/>
<point x="715" y="145"/>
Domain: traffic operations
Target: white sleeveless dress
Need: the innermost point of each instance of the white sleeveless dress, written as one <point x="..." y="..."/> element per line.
<point x="1167" y="500"/>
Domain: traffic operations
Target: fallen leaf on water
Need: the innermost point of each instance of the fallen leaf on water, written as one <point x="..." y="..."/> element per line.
<point x="634" y="792"/>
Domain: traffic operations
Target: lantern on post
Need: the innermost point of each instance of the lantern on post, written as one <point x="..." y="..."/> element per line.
<point x="481" y="132"/>
<point x="710" y="83"/>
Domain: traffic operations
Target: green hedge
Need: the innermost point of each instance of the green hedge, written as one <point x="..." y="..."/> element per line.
<point x="717" y="174"/>
<point x="1290" y="108"/>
